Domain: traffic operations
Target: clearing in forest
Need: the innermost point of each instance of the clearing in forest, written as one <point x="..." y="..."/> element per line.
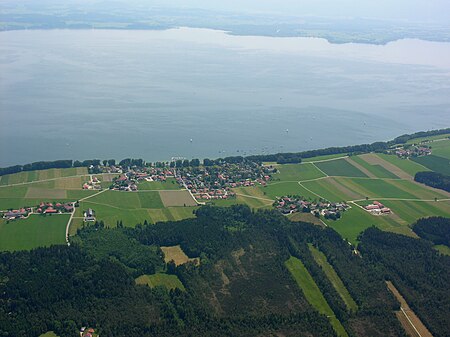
<point x="312" y="292"/>
<point x="334" y="278"/>
<point x="176" y="254"/>
<point x="160" y="279"/>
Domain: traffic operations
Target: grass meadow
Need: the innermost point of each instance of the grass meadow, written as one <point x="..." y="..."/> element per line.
<point x="334" y="278"/>
<point x="160" y="279"/>
<point x="170" y="184"/>
<point x="35" y="231"/>
<point x="297" y="172"/>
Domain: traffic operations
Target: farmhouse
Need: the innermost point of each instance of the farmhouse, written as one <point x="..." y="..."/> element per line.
<point x="377" y="208"/>
<point x="89" y="215"/>
<point x="16" y="214"/>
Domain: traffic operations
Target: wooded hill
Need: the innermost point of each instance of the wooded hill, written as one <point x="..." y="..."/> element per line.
<point x="240" y="288"/>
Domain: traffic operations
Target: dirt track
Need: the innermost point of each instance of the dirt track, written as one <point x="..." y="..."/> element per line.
<point x="412" y="324"/>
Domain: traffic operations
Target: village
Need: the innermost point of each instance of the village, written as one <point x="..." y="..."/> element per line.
<point x="204" y="182"/>
<point x="215" y="182"/>
<point x="288" y="205"/>
<point x="408" y="151"/>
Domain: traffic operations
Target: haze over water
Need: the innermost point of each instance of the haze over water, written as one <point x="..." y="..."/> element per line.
<point x="79" y="94"/>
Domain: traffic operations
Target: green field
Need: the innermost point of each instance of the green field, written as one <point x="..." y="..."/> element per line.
<point x="128" y="200"/>
<point x="253" y="197"/>
<point x="441" y="149"/>
<point x="334" y="278"/>
<point x="170" y="184"/>
<point x="435" y="163"/>
<point x="279" y="189"/>
<point x="35" y="231"/>
<point x="312" y="292"/>
<point x="405" y="165"/>
<point x="29" y="176"/>
<point x="340" y="167"/>
<point x="297" y="172"/>
<point x="356" y="220"/>
<point x="326" y="190"/>
<point x="130" y="215"/>
<point x="376" y="188"/>
<point x="377" y="170"/>
<point x="326" y="157"/>
<point x="421" y="139"/>
<point x="411" y="211"/>
<point x="160" y="279"/>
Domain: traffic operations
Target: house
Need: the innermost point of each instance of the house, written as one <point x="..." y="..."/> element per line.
<point x="68" y="208"/>
<point x="50" y="210"/>
<point x="15" y="214"/>
<point x="372" y="207"/>
<point x="89" y="215"/>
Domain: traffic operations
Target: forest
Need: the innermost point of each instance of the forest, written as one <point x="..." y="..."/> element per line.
<point x="418" y="271"/>
<point x="240" y="288"/>
<point x="434" y="229"/>
<point x="433" y="179"/>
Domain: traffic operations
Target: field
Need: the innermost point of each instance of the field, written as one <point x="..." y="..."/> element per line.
<point x="35" y="231"/>
<point x="435" y="163"/>
<point x="279" y="189"/>
<point x="297" y="172"/>
<point x="441" y="148"/>
<point x="312" y="292"/>
<point x="170" y="184"/>
<point x="253" y="197"/>
<point x="400" y="166"/>
<point x="30" y="176"/>
<point x="176" y="254"/>
<point x="340" y="167"/>
<point x="418" y="140"/>
<point x="356" y="220"/>
<point x="321" y="158"/>
<point x="160" y="279"/>
<point x="175" y="198"/>
<point x="334" y="278"/>
<point x="374" y="170"/>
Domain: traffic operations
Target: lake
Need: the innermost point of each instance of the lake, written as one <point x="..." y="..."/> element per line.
<point x="196" y="93"/>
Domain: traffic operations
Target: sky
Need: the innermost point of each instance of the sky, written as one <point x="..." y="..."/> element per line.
<point x="409" y="10"/>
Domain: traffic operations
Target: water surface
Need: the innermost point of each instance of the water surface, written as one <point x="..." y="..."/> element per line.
<point x="114" y="93"/>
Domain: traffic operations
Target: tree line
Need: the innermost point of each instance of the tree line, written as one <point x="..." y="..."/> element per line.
<point x="280" y="158"/>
